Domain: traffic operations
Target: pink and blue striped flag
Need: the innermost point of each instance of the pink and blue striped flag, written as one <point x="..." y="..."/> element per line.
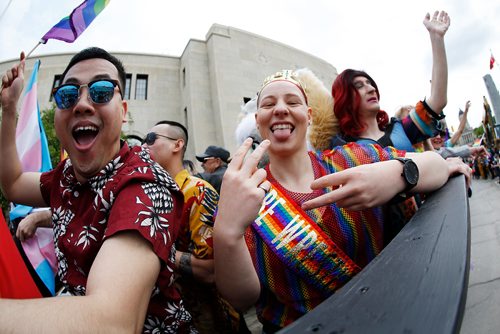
<point x="33" y="152"/>
<point x="31" y="141"/>
<point x="72" y="26"/>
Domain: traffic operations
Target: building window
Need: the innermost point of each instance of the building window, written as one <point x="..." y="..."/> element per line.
<point x="56" y="83"/>
<point x="128" y="84"/>
<point x="184" y="77"/>
<point x="186" y="116"/>
<point x="141" y="87"/>
<point x="246" y="99"/>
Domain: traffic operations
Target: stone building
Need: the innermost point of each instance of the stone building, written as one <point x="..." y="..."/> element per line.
<point x="203" y="89"/>
<point x="467" y="137"/>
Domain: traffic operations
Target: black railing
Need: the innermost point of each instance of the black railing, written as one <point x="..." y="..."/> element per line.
<point x="417" y="284"/>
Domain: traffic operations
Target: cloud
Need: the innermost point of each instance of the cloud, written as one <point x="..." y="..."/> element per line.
<point x="386" y="37"/>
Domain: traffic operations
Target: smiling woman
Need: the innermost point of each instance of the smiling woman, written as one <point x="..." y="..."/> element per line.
<point x="289" y="235"/>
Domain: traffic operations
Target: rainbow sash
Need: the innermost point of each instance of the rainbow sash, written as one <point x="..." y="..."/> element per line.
<point x="301" y="244"/>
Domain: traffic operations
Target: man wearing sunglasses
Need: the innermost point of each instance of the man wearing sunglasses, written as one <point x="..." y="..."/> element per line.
<point x="167" y="142"/>
<point x="214" y="162"/>
<point x="115" y="213"/>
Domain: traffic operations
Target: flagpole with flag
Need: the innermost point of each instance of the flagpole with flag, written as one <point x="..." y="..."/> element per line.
<point x="33" y="151"/>
<point x="73" y="25"/>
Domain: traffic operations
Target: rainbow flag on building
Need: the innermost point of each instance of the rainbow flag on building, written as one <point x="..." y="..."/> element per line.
<point x="72" y="26"/>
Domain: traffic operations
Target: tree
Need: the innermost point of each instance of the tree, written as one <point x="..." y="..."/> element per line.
<point x="478" y="132"/>
<point x="50" y="131"/>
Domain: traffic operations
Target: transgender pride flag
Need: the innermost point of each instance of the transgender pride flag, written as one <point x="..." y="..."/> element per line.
<point x="72" y="26"/>
<point x="31" y="141"/>
<point x="33" y="152"/>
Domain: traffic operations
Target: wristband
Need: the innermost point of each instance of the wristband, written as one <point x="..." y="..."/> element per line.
<point x="432" y="112"/>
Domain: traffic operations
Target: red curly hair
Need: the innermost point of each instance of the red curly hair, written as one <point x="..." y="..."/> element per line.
<point x="347" y="101"/>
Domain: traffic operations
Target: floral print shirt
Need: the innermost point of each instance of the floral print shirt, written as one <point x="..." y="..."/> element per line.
<point x="210" y="312"/>
<point x="132" y="193"/>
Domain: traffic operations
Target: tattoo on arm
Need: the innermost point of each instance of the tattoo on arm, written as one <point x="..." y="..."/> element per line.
<point x="185" y="265"/>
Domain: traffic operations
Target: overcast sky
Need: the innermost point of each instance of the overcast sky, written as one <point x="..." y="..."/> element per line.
<point x="386" y="38"/>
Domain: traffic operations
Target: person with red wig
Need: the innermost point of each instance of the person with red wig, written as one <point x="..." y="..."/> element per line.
<point x="357" y="98"/>
<point x="360" y="118"/>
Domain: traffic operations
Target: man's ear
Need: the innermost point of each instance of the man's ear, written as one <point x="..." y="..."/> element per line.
<point x="124" y="111"/>
<point x="179" y="145"/>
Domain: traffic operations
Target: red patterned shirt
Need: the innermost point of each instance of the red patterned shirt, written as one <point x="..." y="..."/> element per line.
<point x="132" y="193"/>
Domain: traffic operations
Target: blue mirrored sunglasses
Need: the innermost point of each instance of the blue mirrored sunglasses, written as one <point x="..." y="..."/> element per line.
<point x="99" y="92"/>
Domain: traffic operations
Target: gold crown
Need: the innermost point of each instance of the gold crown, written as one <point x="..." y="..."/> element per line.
<point x="286" y="75"/>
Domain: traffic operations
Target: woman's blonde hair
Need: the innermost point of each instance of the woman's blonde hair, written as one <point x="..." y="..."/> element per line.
<point x="324" y="123"/>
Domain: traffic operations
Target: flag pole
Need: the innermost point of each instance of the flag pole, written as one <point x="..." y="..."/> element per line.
<point x="29" y="54"/>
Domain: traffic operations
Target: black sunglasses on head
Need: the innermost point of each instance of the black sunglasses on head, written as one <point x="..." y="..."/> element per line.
<point x="152" y="136"/>
<point x="100" y="91"/>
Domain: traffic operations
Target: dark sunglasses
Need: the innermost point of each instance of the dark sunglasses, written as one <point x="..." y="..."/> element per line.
<point x="255" y="142"/>
<point x="152" y="136"/>
<point x="208" y="158"/>
<point x="99" y="92"/>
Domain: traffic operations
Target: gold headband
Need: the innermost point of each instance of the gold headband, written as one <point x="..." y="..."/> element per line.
<point x="285" y="75"/>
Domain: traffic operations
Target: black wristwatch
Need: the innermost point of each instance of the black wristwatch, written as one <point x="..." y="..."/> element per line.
<point x="410" y="173"/>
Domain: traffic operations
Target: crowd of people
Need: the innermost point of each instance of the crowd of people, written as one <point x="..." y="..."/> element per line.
<point x="145" y="243"/>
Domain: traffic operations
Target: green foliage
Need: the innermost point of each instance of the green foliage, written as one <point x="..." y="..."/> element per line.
<point x="50" y="131"/>
<point x="479" y="131"/>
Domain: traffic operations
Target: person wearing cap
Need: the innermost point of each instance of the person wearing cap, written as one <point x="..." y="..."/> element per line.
<point x="214" y="162"/>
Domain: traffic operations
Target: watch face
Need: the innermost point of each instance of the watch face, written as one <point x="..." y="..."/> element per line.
<point x="411" y="172"/>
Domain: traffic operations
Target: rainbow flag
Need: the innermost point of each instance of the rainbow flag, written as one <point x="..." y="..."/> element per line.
<point x="477" y="142"/>
<point x="72" y="26"/>
<point x="31" y="141"/>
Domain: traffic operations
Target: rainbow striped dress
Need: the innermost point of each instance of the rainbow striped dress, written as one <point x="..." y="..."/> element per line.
<point x="300" y="265"/>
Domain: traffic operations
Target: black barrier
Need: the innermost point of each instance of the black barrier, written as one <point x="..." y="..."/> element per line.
<point x="417" y="284"/>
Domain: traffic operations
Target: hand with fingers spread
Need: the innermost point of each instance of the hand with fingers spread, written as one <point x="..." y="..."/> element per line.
<point x="439" y="23"/>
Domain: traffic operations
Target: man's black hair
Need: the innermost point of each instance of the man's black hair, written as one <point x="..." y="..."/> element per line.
<point x="95" y="52"/>
<point x="178" y="125"/>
